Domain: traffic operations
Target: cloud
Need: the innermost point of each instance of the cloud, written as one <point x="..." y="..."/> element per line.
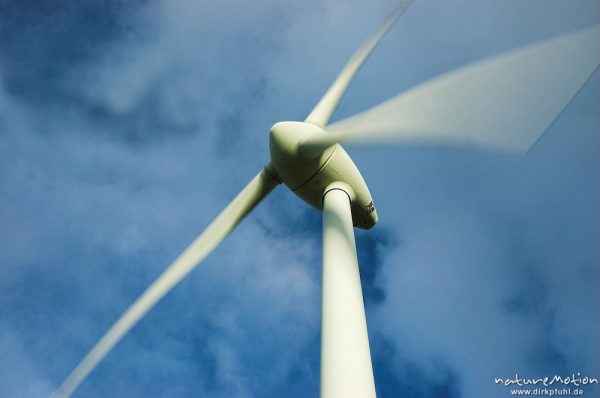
<point x="126" y="127"/>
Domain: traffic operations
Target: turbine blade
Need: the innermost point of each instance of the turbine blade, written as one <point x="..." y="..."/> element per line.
<point x="502" y="103"/>
<point x="321" y="114"/>
<point x="225" y="222"/>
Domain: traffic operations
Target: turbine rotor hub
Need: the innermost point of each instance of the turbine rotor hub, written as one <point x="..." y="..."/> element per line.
<point x="308" y="172"/>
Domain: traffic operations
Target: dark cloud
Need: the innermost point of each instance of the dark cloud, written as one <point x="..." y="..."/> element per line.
<point x="402" y="378"/>
<point x="302" y="379"/>
<point x="371" y="248"/>
<point x="85" y="60"/>
<point x="45" y="45"/>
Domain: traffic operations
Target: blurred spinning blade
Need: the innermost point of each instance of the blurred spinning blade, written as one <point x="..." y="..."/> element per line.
<point x="210" y="238"/>
<point x="501" y="103"/>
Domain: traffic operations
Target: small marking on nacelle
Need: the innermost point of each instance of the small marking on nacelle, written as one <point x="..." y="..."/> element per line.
<point x="370" y="208"/>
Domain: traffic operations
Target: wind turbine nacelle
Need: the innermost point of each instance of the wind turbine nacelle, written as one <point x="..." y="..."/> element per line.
<point x="310" y="173"/>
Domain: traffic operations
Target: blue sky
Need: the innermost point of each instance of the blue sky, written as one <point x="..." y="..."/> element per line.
<point x="125" y="127"/>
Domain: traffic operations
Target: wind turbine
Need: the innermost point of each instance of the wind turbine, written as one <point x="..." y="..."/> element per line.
<point x="502" y="103"/>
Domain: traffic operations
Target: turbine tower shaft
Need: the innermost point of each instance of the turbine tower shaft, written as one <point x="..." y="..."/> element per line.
<point x="346" y="369"/>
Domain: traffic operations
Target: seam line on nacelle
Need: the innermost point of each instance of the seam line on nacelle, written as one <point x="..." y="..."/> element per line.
<point x="318" y="171"/>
